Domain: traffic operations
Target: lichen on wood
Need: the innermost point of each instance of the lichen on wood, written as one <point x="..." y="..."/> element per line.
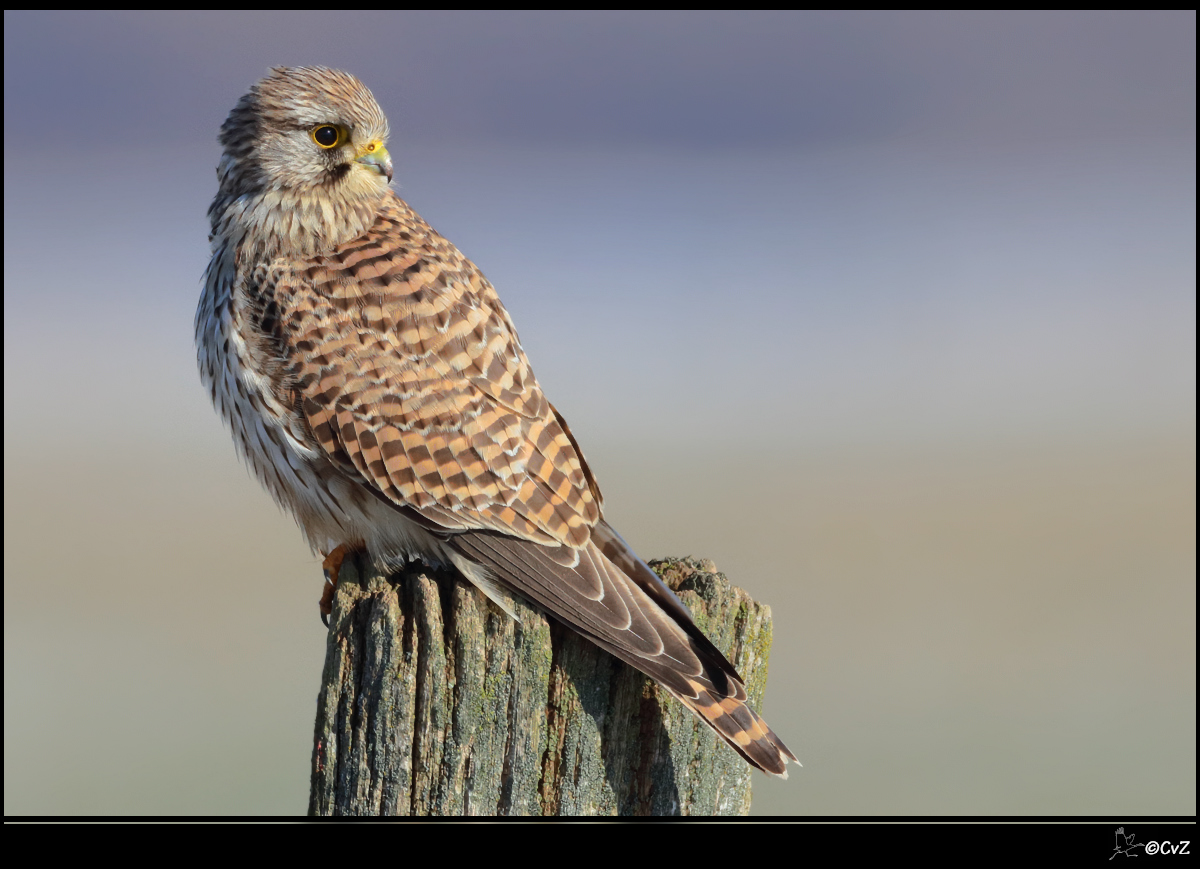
<point x="435" y="702"/>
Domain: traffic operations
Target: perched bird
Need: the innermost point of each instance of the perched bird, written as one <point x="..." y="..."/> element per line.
<point x="375" y="384"/>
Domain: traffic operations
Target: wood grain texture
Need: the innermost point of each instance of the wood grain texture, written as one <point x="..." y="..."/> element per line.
<point x="433" y="702"/>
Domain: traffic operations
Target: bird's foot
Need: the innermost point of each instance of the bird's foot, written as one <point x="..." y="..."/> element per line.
<point x="332" y="566"/>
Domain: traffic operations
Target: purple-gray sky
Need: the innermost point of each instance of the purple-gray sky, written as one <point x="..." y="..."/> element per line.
<point x="665" y="80"/>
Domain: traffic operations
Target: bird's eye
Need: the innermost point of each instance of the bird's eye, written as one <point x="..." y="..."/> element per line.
<point x="326" y="135"/>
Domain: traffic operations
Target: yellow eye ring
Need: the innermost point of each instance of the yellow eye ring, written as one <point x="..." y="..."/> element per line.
<point x="327" y="136"/>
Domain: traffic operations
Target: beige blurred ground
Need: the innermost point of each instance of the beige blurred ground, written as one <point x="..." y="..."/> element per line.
<point x="976" y="630"/>
<point x="969" y="631"/>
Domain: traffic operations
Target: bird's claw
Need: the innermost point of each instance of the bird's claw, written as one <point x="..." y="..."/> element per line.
<point x="332" y="565"/>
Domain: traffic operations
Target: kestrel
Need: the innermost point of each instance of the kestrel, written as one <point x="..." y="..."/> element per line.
<point x="375" y="384"/>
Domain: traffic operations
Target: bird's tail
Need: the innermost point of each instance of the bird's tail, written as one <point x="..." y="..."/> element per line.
<point x="614" y="599"/>
<point x="741" y="727"/>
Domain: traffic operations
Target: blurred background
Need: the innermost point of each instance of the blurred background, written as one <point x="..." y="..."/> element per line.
<point x="891" y="315"/>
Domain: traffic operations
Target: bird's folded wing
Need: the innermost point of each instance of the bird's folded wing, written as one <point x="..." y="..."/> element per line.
<point x="407" y="372"/>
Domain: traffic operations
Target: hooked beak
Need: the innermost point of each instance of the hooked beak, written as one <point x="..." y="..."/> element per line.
<point x="376" y="158"/>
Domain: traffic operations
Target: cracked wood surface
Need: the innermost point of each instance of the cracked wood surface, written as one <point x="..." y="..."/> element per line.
<point x="434" y="702"/>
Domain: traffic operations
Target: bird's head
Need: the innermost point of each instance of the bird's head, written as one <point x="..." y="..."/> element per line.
<point x="308" y="141"/>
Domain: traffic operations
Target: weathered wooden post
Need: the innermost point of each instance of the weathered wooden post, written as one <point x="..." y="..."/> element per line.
<point x="434" y="702"/>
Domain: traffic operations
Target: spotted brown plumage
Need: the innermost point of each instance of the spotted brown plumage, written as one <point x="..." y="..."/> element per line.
<point x="376" y="386"/>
